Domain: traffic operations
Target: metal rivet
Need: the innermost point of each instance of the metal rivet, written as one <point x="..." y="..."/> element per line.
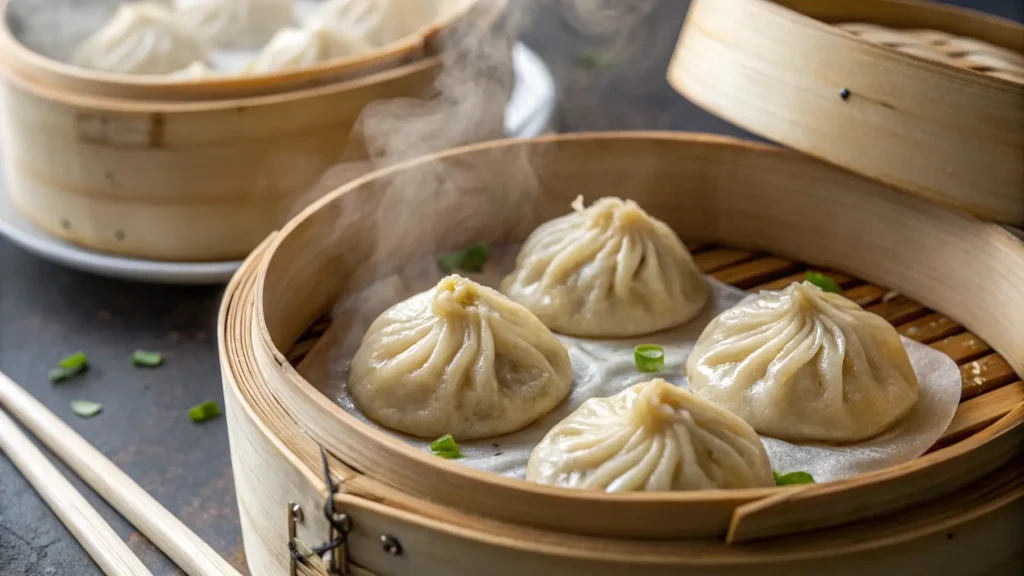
<point x="65" y="224"/>
<point x="344" y="521"/>
<point x="844" y="93"/>
<point x="391" y="546"/>
<point x="119" y="235"/>
<point x="297" y="513"/>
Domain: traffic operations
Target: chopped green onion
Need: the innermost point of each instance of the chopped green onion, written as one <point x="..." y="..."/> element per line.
<point x="75" y="360"/>
<point x="471" y="259"/>
<point x="446" y="447"/>
<point x="649" y="358"/>
<point x="792" y="478"/>
<point x="85" y="408"/>
<point x="593" y="60"/>
<point x="824" y="282"/>
<point x="69" y="367"/>
<point x="202" y="412"/>
<point x="147" y="358"/>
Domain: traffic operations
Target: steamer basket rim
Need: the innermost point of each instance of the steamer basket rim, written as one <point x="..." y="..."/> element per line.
<point x="718" y="496"/>
<point x="394" y="50"/>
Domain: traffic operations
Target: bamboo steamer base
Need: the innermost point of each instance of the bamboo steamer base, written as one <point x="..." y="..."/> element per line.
<point x="975" y="531"/>
<point x="179" y="181"/>
<point x="957" y="510"/>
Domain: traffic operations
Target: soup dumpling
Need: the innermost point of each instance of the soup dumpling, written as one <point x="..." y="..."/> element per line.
<point x="805" y="364"/>
<point x="237" y="23"/>
<point x="610" y="270"/>
<point x="378" y="21"/>
<point x="294" y="48"/>
<point x="141" y="38"/>
<point x="458" y="359"/>
<point x="653" y="436"/>
<point x="194" y="71"/>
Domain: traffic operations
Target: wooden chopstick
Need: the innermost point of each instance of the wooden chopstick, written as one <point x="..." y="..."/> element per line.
<point x="162" y="528"/>
<point x="83" y="521"/>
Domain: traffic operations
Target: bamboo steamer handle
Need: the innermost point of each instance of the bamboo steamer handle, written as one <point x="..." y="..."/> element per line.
<point x="162" y="528"/>
<point x="83" y="521"/>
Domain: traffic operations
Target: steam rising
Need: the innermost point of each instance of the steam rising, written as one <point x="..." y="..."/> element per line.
<point x="439" y="199"/>
<point x="466" y="106"/>
<point x="606" y="55"/>
<point x="444" y="199"/>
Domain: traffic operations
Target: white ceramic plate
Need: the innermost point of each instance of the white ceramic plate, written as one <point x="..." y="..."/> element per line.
<point x="527" y="115"/>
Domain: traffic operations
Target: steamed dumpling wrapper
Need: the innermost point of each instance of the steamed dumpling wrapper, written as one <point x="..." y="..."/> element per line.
<point x="141" y="38"/>
<point x="804" y="364"/>
<point x="379" y="22"/>
<point x="295" y="48"/>
<point x="237" y="23"/>
<point x="458" y="359"/>
<point x="610" y="270"/>
<point x="194" y="71"/>
<point x="653" y="436"/>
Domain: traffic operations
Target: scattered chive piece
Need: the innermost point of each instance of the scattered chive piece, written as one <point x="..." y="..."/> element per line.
<point x="147" y="358"/>
<point x="593" y="61"/>
<point x="649" y="358"/>
<point x="446" y="447"/>
<point x="792" y="478"/>
<point x="471" y="259"/>
<point x="202" y="412"/>
<point x="69" y="367"/>
<point x="85" y="408"/>
<point x="824" y="282"/>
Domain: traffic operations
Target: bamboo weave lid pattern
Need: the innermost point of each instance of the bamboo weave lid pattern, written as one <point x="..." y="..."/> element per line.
<point x="939" y="46"/>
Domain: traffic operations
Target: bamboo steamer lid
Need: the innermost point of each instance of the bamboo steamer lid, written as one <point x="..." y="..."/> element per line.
<point x="926" y="98"/>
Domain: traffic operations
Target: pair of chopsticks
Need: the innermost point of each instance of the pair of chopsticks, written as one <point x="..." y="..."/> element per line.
<point x="112" y="555"/>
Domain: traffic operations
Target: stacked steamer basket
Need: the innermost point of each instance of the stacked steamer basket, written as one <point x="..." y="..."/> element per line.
<point x="309" y="473"/>
<point x="124" y="163"/>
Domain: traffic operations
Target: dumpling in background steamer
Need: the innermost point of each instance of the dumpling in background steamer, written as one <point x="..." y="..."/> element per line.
<point x="610" y="270"/>
<point x="458" y="359"/>
<point x="806" y="365"/>
<point x="378" y="21"/>
<point x="194" y="71"/>
<point x="651" y="437"/>
<point x="141" y="38"/>
<point x="237" y="23"/>
<point x="294" y="48"/>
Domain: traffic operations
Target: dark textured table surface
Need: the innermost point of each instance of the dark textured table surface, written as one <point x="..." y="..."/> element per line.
<point x="47" y="312"/>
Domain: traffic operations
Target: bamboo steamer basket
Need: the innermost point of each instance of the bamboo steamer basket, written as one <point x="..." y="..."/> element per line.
<point x="29" y="63"/>
<point x="957" y="510"/>
<point x="186" y="180"/>
<point x="924" y="97"/>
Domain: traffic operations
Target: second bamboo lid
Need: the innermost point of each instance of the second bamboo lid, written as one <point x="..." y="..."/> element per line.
<point x="924" y="97"/>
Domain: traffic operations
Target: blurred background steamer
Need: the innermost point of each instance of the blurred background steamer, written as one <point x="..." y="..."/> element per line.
<point x="123" y="163"/>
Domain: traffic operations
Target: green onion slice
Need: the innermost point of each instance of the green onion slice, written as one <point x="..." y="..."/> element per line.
<point x="471" y="259"/>
<point x="147" y="358"/>
<point x="446" y="447"/>
<point x="792" y="478"/>
<point x="202" y="412"/>
<point x="85" y="408"/>
<point x="649" y="358"/>
<point x="69" y="367"/>
<point x="824" y="282"/>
